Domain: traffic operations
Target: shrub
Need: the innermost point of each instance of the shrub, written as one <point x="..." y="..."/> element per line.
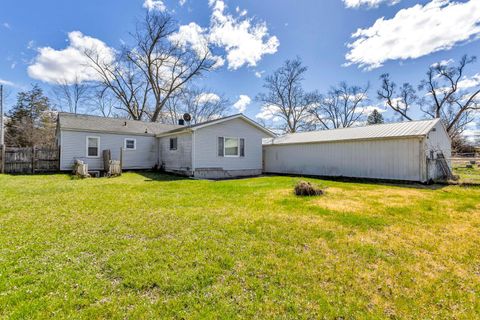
<point x="305" y="188"/>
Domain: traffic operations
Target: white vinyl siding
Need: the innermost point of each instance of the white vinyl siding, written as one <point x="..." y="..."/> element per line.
<point x="180" y="158"/>
<point x="207" y="146"/>
<point x="74" y="146"/>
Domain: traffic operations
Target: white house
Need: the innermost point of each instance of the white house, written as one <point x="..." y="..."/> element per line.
<point x="410" y="151"/>
<point x="226" y="147"/>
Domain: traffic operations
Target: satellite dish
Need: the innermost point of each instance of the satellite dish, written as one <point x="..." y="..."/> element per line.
<point x="187" y="117"/>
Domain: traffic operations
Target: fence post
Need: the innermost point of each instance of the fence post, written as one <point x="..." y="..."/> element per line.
<point x="59" y="157"/>
<point x="33" y="159"/>
<point x="121" y="160"/>
<point x="2" y="156"/>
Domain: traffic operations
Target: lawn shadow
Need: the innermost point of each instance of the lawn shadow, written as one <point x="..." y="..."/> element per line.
<point x="381" y="182"/>
<point x="160" y="176"/>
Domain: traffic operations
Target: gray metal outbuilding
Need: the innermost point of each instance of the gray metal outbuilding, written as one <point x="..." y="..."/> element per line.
<point x="409" y="151"/>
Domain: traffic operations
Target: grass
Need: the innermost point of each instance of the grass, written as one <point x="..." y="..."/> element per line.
<point x="467" y="175"/>
<point x="154" y="246"/>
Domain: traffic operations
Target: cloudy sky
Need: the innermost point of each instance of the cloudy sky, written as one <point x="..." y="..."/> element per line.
<point x="339" y="40"/>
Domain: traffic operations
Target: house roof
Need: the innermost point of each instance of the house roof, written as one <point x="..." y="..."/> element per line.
<point x="77" y="122"/>
<point x="378" y="131"/>
<point x="217" y="121"/>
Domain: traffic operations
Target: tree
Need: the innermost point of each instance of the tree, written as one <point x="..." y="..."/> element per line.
<point x="201" y="103"/>
<point x="375" y="118"/>
<point x="72" y="97"/>
<point x="446" y="93"/>
<point x="342" y="107"/>
<point x="399" y="101"/>
<point x="31" y="121"/>
<point x="145" y="75"/>
<point x="285" y="97"/>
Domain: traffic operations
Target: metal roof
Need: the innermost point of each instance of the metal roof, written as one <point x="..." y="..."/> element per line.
<point x="80" y="122"/>
<point x="378" y="131"/>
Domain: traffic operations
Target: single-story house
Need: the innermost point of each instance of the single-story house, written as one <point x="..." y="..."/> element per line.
<point x="410" y="151"/>
<point x="221" y="148"/>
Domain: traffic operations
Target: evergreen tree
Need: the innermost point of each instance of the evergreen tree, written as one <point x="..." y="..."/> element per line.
<point x="31" y="121"/>
<point x="375" y="118"/>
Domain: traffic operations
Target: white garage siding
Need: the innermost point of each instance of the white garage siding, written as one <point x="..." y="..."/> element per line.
<point x="396" y="159"/>
<point x="74" y="146"/>
<point x="406" y="151"/>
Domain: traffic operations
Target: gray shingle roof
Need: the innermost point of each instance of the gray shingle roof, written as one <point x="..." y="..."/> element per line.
<point x="70" y="121"/>
<point x="379" y="131"/>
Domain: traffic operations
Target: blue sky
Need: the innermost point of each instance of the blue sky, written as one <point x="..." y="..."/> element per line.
<point x="412" y="35"/>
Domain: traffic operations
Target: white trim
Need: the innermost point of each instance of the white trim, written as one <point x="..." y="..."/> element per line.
<point x="238" y="147"/>
<point x="134" y="144"/>
<point x="98" y="146"/>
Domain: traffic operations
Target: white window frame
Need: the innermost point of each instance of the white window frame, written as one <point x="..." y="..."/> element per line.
<point x="98" y="146"/>
<point x="238" y="147"/>
<point x="134" y="144"/>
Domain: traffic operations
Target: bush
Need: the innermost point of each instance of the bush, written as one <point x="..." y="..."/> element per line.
<point x="304" y="188"/>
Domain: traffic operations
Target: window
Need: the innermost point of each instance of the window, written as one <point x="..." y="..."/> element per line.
<point x="93" y="147"/>
<point x="130" y="144"/>
<point x="231" y="147"/>
<point x="173" y="143"/>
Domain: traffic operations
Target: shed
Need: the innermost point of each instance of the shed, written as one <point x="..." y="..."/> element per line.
<point x="409" y="151"/>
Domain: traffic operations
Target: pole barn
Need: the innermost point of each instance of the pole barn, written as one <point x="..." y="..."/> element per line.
<point x="409" y="151"/>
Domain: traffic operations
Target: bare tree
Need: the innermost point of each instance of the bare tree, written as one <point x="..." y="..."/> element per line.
<point x="201" y="103"/>
<point x="123" y="79"/>
<point x="399" y="100"/>
<point x="166" y="65"/>
<point x="285" y="97"/>
<point x="446" y="96"/>
<point x="72" y="96"/>
<point x="451" y="101"/>
<point x="104" y="102"/>
<point x="342" y="107"/>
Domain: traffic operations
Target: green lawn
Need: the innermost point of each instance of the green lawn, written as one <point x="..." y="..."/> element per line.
<point x="151" y="246"/>
<point x="467" y="175"/>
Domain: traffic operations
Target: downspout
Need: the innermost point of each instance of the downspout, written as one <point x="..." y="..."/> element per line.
<point x="193" y="152"/>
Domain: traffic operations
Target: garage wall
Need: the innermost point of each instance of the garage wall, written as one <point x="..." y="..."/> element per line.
<point x="396" y="159"/>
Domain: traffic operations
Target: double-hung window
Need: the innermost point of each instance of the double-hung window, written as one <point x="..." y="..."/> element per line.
<point x="93" y="147"/>
<point x="130" y="144"/>
<point x="231" y="147"/>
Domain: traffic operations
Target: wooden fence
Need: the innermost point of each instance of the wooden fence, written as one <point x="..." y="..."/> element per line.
<point x="29" y="160"/>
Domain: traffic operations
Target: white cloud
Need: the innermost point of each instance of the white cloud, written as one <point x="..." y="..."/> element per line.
<point x="469" y="82"/>
<point x="207" y="98"/>
<point x="244" y="41"/>
<point x="369" y="109"/>
<point x="269" y="113"/>
<point x="70" y="64"/>
<point x="197" y="38"/>
<point x="442" y="63"/>
<point x="415" y="32"/>
<point x="7" y="83"/>
<point x="368" y="3"/>
<point x="242" y="103"/>
<point x="259" y="74"/>
<point x="182" y="2"/>
<point x="6" y="25"/>
<point x="154" y="5"/>
<point x="31" y="44"/>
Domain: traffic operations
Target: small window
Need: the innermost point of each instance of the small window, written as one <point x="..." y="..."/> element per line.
<point x="231" y="147"/>
<point x="93" y="147"/>
<point x="173" y="143"/>
<point x="130" y="144"/>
